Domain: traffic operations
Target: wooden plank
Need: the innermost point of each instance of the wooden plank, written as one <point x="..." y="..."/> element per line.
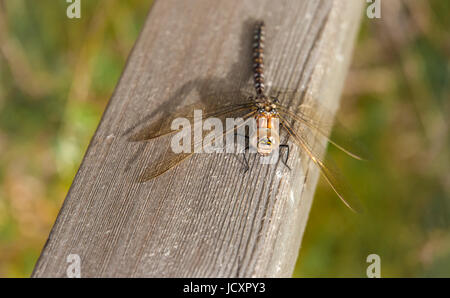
<point x="205" y="218"/>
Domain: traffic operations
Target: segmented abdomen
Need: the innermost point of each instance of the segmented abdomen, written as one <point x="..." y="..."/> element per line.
<point x="258" y="54"/>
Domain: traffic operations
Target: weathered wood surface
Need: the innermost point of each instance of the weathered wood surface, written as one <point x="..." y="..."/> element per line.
<point x="205" y="218"/>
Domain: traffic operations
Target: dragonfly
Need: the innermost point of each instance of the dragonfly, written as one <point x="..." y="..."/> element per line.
<point x="264" y="107"/>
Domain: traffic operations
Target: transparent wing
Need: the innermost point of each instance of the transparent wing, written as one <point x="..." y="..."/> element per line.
<point x="211" y="104"/>
<point x="328" y="169"/>
<point x="308" y="113"/>
<point x="169" y="162"/>
<point x="345" y="144"/>
<point x="163" y="126"/>
<point x="173" y="159"/>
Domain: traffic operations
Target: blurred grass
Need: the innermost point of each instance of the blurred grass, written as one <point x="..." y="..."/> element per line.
<point x="396" y="99"/>
<point x="56" y="77"/>
<point x="57" y="74"/>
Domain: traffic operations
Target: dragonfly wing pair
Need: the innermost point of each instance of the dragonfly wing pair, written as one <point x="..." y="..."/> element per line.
<point x="298" y="125"/>
<point x="244" y="111"/>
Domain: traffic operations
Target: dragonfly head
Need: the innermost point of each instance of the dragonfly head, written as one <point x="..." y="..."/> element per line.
<point x="267" y="108"/>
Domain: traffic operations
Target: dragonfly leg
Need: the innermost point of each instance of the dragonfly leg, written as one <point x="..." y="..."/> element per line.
<point x="242" y="136"/>
<point x="247" y="139"/>
<point x="287" y="155"/>
<point x="247" y="147"/>
<point x="245" y="159"/>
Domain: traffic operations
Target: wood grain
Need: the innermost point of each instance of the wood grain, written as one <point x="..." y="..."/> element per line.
<point x="205" y="218"/>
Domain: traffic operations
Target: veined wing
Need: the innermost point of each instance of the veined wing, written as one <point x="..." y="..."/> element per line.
<point x="328" y="169"/>
<point x="345" y="144"/>
<point x="163" y="127"/>
<point x="306" y="114"/>
<point x="173" y="159"/>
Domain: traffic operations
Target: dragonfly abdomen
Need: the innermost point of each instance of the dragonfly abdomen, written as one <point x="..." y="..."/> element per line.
<point x="258" y="54"/>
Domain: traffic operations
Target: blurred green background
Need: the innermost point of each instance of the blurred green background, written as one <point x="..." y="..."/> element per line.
<point x="57" y="74"/>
